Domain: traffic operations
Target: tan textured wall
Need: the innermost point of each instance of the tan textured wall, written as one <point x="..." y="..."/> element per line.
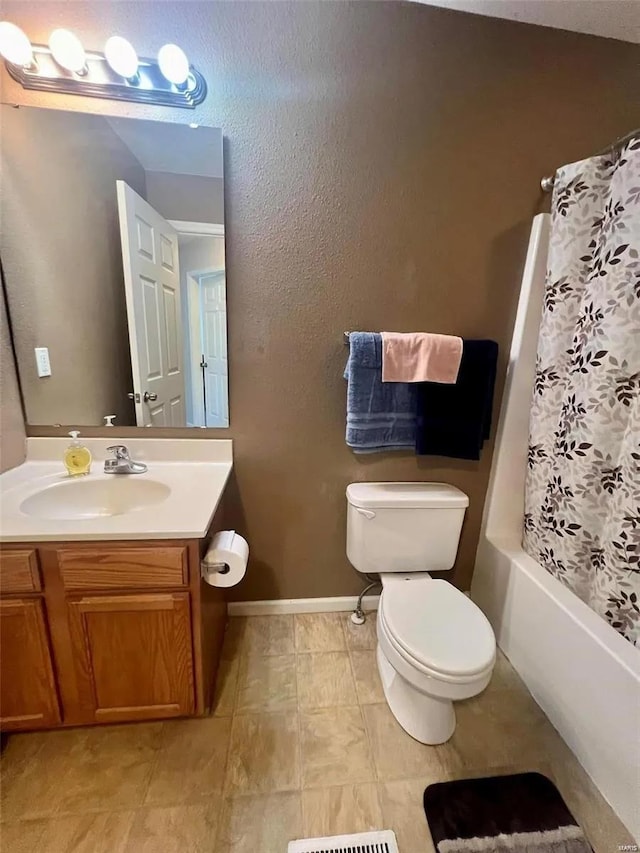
<point x="12" y="434"/>
<point x="60" y="247"/>
<point x="382" y="167"/>
<point x="191" y="198"/>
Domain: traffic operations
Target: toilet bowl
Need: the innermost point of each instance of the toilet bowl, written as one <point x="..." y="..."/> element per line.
<point x="435" y="646"/>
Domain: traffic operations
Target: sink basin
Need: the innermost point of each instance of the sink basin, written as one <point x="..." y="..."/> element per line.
<point x="93" y="498"/>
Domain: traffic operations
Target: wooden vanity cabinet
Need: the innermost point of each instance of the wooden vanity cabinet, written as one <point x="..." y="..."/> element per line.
<point x="28" y="695"/>
<point x="106" y="632"/>
<point x="132" y="655"/>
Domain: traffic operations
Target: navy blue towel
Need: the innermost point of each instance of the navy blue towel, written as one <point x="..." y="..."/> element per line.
<point x="455" y="420"/>
<point x="380" y="415"/>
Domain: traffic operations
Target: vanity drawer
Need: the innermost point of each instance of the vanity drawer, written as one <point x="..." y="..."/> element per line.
<point x="110" y="568"/>
<point x="19" y="571"/>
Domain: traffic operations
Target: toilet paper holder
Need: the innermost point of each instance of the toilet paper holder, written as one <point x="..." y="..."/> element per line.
<point x="207" y="569"/>
<point x="225" y="561"/>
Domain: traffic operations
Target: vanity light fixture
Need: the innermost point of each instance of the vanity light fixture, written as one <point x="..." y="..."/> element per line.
<point x="67" y="50"/>
<point x="65" y="66"/>
<point x="122" y="57"/>
<point x="15" y="46"/>
<point x="174" y="64"/>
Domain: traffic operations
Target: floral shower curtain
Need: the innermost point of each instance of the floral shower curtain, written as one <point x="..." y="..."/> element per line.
<point x="582" y="499"/>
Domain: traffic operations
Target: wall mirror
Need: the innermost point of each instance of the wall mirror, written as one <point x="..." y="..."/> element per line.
<point x="112" y="250"/>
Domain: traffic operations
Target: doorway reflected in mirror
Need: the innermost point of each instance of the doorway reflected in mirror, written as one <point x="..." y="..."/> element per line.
<point x="113" y="253"/>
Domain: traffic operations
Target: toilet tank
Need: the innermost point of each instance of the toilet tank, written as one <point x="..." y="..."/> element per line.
<point x="404" y="527"/>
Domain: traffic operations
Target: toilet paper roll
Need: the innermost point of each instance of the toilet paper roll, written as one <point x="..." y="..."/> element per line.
<point x="225" y="563"/>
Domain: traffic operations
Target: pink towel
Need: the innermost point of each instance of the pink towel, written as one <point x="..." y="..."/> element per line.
<point x="420" y="357"/>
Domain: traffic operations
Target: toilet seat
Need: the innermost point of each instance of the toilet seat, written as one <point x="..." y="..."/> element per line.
<point x="437" y="629"/>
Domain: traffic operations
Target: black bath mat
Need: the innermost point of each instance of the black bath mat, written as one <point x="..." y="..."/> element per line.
<point x="523" y="813"/>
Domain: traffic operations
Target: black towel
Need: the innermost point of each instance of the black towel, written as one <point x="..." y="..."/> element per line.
<point x="455" y="420"/>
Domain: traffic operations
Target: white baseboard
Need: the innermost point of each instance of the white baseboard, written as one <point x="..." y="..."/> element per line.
<point x="301" y="605"/>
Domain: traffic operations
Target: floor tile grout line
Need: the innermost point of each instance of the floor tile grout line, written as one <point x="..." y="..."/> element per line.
<point x="303" y="826"/>
<point x="234" y="714"/>
<point x="345" y="639"/>
<point x="228" y="749"/>
<point x="242" y="666"/>
<point x="353" y="676"/>
<point x="364" y="719"/>
<point x="238" y="653"/>
<point x="156" y="759"/>
<point x="370" y="744"/>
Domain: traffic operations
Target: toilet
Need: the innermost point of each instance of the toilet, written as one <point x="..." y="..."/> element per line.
<point x="434" y="644"/>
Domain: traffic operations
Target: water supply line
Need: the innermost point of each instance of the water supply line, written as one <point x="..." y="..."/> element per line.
<point x="358" y="617"/>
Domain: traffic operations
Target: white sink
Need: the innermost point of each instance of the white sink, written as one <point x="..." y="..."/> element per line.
<point x="94" y="498"/>
<point x="175" y="499"/>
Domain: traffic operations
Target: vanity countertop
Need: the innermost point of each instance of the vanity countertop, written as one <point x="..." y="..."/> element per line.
<point x="189" y="474"/>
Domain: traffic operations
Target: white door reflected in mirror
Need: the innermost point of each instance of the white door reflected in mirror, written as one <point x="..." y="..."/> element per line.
<point x="152" y="286"/>
<point x="212" y="314"/>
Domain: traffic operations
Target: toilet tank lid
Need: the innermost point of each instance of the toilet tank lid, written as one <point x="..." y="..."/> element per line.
<point x="404" y="495"/>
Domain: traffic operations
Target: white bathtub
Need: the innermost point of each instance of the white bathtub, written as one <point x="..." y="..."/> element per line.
<point x="583" y="674"/>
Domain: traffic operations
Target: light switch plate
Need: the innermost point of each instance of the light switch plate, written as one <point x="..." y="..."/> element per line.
<point x="42" y="361"/>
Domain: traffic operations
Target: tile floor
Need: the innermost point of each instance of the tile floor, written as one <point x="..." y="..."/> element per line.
<point x="300" y="743"/>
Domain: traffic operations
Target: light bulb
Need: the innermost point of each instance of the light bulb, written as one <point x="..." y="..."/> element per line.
<point x="14" y="45"/>
<point x="68" y="51"/>
<point x="121" y="56"/>
<point x="173" y="63"/>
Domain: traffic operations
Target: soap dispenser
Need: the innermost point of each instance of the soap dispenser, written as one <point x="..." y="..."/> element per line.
<point x="77" y="458"/>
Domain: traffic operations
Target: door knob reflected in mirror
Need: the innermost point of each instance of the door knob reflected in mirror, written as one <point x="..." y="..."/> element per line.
<point x="149" y="397"/>
<point x="132" y="396"/>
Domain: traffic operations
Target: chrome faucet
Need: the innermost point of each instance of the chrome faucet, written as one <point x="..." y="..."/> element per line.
<point x="122" y="462"/>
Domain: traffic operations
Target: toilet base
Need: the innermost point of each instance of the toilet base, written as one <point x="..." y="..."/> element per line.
<point x="425" y="718"/>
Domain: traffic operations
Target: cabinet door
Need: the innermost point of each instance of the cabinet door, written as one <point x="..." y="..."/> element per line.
<point x="133" y="655"/>
<point x="28" y="697"/>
